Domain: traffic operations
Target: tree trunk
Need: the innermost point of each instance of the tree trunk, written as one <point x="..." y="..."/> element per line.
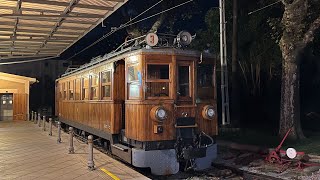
<point x="291" y="45"/>
<point x="290" y="98"/>
<point x="235" y="98"/>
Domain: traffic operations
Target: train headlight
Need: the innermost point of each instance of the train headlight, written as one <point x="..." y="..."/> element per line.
<point x="158" y="113"/>
<point x="208" y="112"/>
<point x="161" y="114"/>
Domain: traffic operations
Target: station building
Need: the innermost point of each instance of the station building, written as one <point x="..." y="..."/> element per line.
<point x="14" y="97"/>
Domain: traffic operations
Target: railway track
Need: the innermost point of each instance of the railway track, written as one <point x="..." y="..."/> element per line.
<point x="217" y="172"/>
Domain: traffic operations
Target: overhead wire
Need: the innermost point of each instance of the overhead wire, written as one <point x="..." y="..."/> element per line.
<point x="27" y="61"/>
<point x="263" y="7"/>
<point x="126" y="25"/>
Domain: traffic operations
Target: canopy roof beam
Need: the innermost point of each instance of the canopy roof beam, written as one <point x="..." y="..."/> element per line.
<point x="58" y="3"/>
<point x="67" y="10"/>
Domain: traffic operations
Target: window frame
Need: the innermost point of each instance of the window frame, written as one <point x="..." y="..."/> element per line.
<point x="212" y="87"/>
<point x="190" y="64"/>
<point x="86" y="88"/>
<point x="158" y="80"/>
<point x="77" y="89"/>
<point x="96" y="86"/>
<point x="102" y="84"/>
<point x="133" y="82"/>
<point x="64" y="91"/>
<point x="71" y="82"/>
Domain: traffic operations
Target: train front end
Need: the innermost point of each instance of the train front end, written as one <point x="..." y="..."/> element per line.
<point x="171" y="118"/>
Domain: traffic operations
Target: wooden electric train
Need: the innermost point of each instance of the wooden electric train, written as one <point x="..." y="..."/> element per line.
<point x="153" y="105"/>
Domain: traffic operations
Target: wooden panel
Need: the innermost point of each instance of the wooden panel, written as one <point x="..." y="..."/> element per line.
<point x="119" y="82"/>
<point x="105" y="115"/>
<point x="139" y="125"/>
<point x="210" y="127"/>
<point x="20" y="107"/>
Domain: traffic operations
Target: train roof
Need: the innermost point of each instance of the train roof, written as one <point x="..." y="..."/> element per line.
<point x="131" y="51"/>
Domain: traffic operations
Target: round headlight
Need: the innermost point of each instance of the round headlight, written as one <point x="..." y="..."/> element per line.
<point x="158" y="113"/>
<point x="161" y="113"/>
<point x="208" y="112"/>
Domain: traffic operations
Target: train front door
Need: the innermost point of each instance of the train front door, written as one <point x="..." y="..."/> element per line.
<point x="6" y="107"/>
<point x="185" y="104"/>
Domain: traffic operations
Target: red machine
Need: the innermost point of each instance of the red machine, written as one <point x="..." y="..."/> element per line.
<point x="275" y="156"/>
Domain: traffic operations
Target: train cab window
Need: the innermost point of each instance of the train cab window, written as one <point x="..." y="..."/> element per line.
<point x="157" y="80"/>
<point x="84" y="89"/>
<point x="132" y="73"/>
<point x="184" y="82"/>
<point x="106" y="85"/>
<point x="134" y="83"/>
<point x="205" y="81"/>
<point x="94" y="80"/>
<point x="71" y="90"/>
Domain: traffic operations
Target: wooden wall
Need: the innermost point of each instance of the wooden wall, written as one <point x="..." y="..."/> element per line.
<point x="20" y="98"/>
<point x="105" y="115"/>
<point x="99" y="113"/>
<point x="139" y="124"/>
<point x="20" y="107"/>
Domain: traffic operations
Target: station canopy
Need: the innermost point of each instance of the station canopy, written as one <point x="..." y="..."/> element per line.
<point x="38" y="28"/>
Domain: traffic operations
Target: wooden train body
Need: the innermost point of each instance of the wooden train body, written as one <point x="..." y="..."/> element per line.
<point x="151" y="106"/>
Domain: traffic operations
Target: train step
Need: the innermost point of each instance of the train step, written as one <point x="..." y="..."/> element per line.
<point x="122" y="151"/>
<point x="121" y="147"/>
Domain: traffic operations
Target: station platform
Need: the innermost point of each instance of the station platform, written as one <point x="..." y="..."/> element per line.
<point x="27" y="152"/>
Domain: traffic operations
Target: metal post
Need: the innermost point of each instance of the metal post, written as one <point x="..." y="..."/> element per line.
<point x="90" y="154"/>
<point x="50" y="126"/>
<point x="44" y="123"/>
<point x="71" y="148"/>
<point x="39" y="119"/>
<point x="35" y="117"/>
<point x="224" y="66"/>
<point x="59" y="132"/>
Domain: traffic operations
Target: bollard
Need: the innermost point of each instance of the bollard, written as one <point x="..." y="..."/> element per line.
<point x="35" y="118"/>
<point x="59" y="132"/>
<point x="44" y="123"/>
<point x="90" y="154"/>
<point x="39" y="119"/>
<point x="31" y="119"/>
<point x="50" y="126"/>
<point x="71" y="148"/>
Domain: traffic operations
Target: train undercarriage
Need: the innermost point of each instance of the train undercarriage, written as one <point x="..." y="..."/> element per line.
<point x="192" y="150"/>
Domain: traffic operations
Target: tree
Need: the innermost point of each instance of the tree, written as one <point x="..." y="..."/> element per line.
<point x="300" y="22"/>
<point x="235" y="98"/>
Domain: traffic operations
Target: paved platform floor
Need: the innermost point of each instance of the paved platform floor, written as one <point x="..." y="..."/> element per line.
<point x="27" y="152"/>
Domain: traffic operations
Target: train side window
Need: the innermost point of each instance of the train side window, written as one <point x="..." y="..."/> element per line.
<point x="60" y="91"/>
<point x="85" y="88"/>
<point x="71" y="89"/>
<point x="106" y="85"/>
<point x="205" y="81"/>
<point x="157" y="80"/>
<point x="94" y="81"/>
<point x="64" y="87"/>
<point x="133" y="82"/>
<point x="77" y="89"/>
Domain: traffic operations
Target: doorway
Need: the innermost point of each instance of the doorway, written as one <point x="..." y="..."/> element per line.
<point x="6" y="107"/>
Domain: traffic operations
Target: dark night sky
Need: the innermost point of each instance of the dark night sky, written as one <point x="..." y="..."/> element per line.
<point x="122" y="15"/>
